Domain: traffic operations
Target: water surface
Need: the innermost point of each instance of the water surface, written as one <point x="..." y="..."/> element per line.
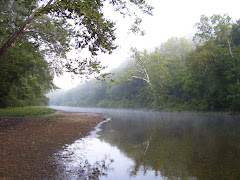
<point x="154" y="145"/>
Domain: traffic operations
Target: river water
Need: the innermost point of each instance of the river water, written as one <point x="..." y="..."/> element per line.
<point x="154" y="145"/>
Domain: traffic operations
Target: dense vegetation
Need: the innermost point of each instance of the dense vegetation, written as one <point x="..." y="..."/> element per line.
<point x="35" y="36"/>
<point x="177" y="75"/>
<point x="25" y="77"/>
<point x="30" y="111"/>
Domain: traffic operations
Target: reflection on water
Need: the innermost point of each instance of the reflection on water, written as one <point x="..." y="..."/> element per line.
<point x="79" y="160"/>
<point x="152" y="145"/>
<point x="76" y="163"/>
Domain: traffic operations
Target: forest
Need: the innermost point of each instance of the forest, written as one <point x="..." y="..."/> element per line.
<point x="36" y="35"/>
<point x="202" y="74"/>
<point x="170" y="110"/>
<point x="180" y="74"/>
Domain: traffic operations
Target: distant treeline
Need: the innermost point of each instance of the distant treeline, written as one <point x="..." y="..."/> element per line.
<point x="179" y="75"/>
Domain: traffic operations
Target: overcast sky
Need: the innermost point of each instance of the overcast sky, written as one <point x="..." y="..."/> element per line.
<point x="170" y="18"/>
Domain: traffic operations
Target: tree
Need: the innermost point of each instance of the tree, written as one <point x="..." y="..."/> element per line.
<point x="162" y="70"/>
<point x="174" y="53"/>
<point x="44" y="31"/>
<point x="215" y="28"/>
<point x="214" y="65"/>
<point x="143" y="70"/>
<point x="53" y="23"/>
<point x="25" y="78"/>
<point x="179" y="75"/>
<point x="140" y="60"/>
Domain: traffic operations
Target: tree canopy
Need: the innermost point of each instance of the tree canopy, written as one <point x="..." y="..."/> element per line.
<point x="25" y="78"/>
<point x="36" y="35"/>
<point x="52" y="24"/>
<point x="178" y="75"/>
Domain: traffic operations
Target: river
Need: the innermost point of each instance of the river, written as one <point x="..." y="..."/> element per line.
<point x="141" y="145"/>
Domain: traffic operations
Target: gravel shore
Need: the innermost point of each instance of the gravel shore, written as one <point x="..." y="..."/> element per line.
<point x="27" y="144"/>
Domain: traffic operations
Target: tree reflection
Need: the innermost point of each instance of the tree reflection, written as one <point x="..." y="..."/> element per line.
<point x="85" y="170"/>
<point x="95" y="171"/>
<point x="179" y="146"/>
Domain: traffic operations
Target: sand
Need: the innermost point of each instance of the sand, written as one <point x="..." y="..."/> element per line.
<point x="28" y="144"/>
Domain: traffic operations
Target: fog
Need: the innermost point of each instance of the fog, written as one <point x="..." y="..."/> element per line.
<point x="170" y="19"/>
<point x="135" y="144"/>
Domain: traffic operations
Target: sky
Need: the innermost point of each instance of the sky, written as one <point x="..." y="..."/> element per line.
<point x="171" y="18"/>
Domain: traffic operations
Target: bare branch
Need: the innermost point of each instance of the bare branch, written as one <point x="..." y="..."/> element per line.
<point x="143" y="69"/>
<point x="140" y="71"/>
<point x="137" y="77"/>
<point x="234" y="65"/>
<point x="229" y="46"/>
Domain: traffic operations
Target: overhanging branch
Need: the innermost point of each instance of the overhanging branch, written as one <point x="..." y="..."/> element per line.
<point x="38" y="32"/>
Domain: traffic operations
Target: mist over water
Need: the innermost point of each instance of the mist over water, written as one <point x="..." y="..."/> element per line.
<point x="154" y="145"/>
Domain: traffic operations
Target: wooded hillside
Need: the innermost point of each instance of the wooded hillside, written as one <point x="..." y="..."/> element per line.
<point x="179" y="74"/>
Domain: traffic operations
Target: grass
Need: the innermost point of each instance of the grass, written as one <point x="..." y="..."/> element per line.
<point x="29" y="111"/>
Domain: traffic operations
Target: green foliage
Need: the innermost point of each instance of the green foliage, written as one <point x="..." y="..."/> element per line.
<point x="53" y="24"/>
<point x="25" y="77"/>
<point x="235" y="33"/>
<point x="30" y="111"/>
<point x="131" y="94"/>
<point x="213" y="28"/>
<point x="32" y="31"/>
<point x="214" y="66"/>
<point x="177" y="75"/>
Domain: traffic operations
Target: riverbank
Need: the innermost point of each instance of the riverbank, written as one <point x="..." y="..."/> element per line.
<point x="26" y="144"/>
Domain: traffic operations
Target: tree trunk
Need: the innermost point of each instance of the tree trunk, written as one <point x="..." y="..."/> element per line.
<point x="234" y="65"/>
<point x="21" y="29"/>
<point x="16" y="35"/>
